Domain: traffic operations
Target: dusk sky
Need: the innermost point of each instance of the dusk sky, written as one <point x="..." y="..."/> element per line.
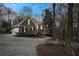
<point x="36" y="7"/>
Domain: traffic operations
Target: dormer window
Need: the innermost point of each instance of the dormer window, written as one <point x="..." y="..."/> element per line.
<point x="28" y="21"/>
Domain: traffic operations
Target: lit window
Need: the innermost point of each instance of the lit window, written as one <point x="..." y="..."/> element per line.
<point x="36" y="26"/>
<point x="41" y="27"/>
<point x="28" y="21"/>
<point x="24" y="29"/>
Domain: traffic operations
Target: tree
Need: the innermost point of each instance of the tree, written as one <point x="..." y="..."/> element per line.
<point x="47" y="21"/>
<point x="68" y="29"/>
<point x="4" y="27"/>
<point x="60" y="18"/>
<point x="26" y="11"/>
<point x="53" y="22"/>
<point x="4" y="24"/>
<point x="2" y="5"/>
<point x="77" y="38"/>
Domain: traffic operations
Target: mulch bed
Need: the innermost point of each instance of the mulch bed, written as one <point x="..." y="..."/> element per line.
<point x="76" y="51"/>
<point x="52" y="50"/>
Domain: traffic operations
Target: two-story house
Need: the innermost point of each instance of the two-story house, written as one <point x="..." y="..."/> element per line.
<point x="27" y="26"/>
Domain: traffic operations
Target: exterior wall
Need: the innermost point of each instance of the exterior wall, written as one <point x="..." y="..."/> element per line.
<point x="29" y="30"/>
<point x="15" y="30"/>
<point x="39" y="29"/>
<point x="28" y="27"/>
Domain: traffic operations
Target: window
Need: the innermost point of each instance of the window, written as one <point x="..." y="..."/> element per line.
<point x="36" y="26"/>
<point x="29" y="21"/>
<point x="24" y="29"/>
<point x="41" y="27"/>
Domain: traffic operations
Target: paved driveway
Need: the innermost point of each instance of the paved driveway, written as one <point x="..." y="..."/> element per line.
<point x="19" y="46"/>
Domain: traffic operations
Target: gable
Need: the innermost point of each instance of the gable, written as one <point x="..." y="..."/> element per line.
<point x="27" y="21"/>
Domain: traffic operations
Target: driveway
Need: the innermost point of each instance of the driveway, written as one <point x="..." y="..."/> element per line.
<point x="19" y="46"/>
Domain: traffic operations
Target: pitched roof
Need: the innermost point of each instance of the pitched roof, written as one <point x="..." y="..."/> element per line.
<point x="33" y="20"/>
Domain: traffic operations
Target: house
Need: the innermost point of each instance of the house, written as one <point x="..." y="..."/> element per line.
<point x="27" y="26"/>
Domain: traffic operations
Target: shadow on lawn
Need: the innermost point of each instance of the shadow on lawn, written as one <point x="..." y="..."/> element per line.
<point x="30" y="36"/>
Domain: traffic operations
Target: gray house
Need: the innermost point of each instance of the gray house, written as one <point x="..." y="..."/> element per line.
<point x="28" y="26"/>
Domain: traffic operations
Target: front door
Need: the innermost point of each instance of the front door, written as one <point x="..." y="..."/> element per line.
<point x="28" y="29"/>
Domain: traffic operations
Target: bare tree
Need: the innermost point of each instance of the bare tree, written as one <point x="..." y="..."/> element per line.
<point x="69" y="29"/>
<point x="26" y="11"/>
<point x="53" y="22"/>
<point x="77" y="38"/>
<point x="47" y="21"/>
<point x="2" y="5"/>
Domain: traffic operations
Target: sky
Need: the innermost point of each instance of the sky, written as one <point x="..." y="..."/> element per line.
<point x="36" y="7"/>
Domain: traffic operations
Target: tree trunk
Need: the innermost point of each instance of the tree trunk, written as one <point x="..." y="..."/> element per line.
<point x="77" y="38"/>
<point x="70" y="21"/>
<point x="53" y="22"/>
<point x="69" y="29"/>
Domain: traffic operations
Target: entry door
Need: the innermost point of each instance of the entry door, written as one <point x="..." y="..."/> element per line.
<point x="28" y="29"/>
